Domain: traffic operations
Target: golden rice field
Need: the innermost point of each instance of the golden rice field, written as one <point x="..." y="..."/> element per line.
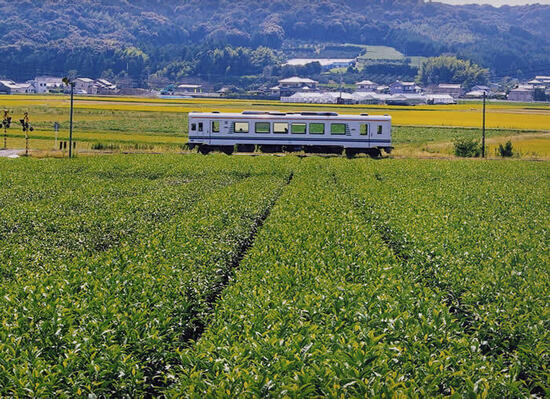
<point x="152" y="124"/>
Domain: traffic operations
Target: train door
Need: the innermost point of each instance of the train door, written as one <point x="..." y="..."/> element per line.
<point x="364" y="133"/>
<point x="203" y="130"/>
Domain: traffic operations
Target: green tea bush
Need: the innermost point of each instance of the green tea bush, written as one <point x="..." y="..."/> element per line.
<point x="110" y="320"/>
<point x="320" y="307"/>
<point x="469" y="242"/>
<point x="466" y="147"/>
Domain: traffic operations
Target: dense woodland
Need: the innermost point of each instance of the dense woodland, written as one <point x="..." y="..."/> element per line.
<point x="219" y="40"/>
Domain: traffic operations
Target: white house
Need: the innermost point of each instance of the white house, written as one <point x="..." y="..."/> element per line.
<point x="85" y="86"/>
<point x="366" y="86"/>
<point x="103" y="86"/>
<point x="289" y="86"/>
<point x="399" y="87"/>
<point x="543" y="79"/>
<point x="452" y="89"/>
<point x="48" y="84"/>
<point x="10" y="87"/>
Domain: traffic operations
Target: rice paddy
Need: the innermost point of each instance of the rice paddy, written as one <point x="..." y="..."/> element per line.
<point x="160" y="125"/>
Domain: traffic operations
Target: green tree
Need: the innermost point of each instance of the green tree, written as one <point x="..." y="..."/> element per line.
<point x="447" y="69"/>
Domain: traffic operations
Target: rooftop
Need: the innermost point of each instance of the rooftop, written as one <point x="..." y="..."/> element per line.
<point x="365" y="82"/>
<point x="296" y="79"/>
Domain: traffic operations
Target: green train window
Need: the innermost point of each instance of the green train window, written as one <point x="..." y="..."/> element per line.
<point x="337" y="128"/>
<point x="298" y="128"/>
<point x="317" y="128"/>
<point x="262" y="127"/>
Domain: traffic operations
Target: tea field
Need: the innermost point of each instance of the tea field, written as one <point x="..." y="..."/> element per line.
<point x="217" y="276"/>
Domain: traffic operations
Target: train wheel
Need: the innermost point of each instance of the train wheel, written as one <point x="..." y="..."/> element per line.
<point x="351" y="152"/>
<point x="228" y="149"/>
<point x="204" y="149"/>
<point x="246" y="147"/>
<point x="374" y="152"/>
<point x="270" y="149"/>
<point x="292" y="148"/>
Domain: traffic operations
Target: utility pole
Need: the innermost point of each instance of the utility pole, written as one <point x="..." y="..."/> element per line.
<point x="483" y="130"/>
<point x="69" y="82"/>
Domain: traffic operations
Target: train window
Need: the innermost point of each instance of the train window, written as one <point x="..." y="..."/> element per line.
<point x="337" y="128"/>
<point x="379" y="129"/>
<point x="298" y="128"/>
<point x="200" y="126"/>
<point x="262" y="127"/>
<point x="193" y="127"/>
<point x="364" y="130"/>
<point x="215" y="126"/>
<point x="280" y="128"/>
<point x="240" y="127"/>
<point x="317" y="128"/>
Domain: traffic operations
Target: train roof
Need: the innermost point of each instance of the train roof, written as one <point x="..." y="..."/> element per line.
<point x="286" y="115"/>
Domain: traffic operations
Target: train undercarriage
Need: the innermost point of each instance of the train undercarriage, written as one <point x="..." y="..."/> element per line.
<point x="374" y="152"/>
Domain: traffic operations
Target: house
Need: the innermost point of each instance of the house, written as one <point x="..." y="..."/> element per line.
<point x="48" y="84"/>
<point x="366" y="86"/>
<point x="103" y="86"/>
<point x="275" y="91"/>
<point x="524" y="93"/>
<point x="383" y="89"/>
<point x="289" y="86"/>
<point x="454" y="90"/>
<point x="537" y="84"/>
<point x="10" y="87"/>
<point x="399" y="87"/>
<point x="543" y="79"/>
<point x="85" y="86"/>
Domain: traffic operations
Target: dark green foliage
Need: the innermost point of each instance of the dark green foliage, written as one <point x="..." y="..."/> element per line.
<point x="506" y="150"/>
<point x="445" y="69"/>
<point x="140" y="38"/>
<point x="466" y="147"/>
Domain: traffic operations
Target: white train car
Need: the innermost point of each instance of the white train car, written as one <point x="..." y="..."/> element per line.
<point x="280" y="131"/>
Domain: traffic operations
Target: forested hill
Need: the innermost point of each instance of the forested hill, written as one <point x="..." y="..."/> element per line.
<point x="162" y="36"/>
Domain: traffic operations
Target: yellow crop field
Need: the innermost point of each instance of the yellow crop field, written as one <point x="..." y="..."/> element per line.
<point x="161" y="124"/>
<point x="499" y="115"/>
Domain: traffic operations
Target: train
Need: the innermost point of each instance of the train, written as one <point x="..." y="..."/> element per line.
<point x="273" y="131"/>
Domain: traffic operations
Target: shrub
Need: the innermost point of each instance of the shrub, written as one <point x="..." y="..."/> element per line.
<point x="103" y="146"/>
<point x="466" y="147"/>
<point x="506" y="150"/>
